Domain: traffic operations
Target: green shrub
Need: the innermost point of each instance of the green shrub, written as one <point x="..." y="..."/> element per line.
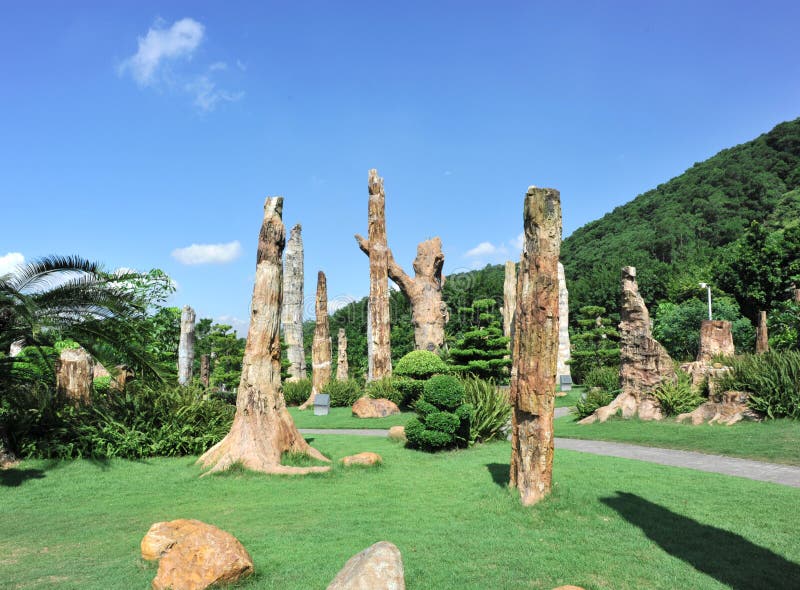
<point x="410" y="390"/>
<point x="385" y="388"/>
<point x="677" y="397"/>
<point x="593" y="399"/>
<point x="102" y="384"/>
<point x="492" y="409"/>
<point x="443" y="419"/>
<point x="296" y="392"/>
<point x="444" y="391"/>
<point x="343" y="393"/>
<point x="606" y="378"/>
<point x="772" y="379"/>
<point x="420" y="364"/>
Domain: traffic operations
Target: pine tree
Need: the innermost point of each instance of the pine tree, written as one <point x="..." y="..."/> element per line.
<point x="595" y="344"/>
<point x="483" y="350"/>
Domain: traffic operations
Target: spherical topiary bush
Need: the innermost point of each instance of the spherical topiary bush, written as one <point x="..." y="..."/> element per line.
<point x="420" y="364"/>
<point x="444" y="391"/>
<point x="443" y="419"/>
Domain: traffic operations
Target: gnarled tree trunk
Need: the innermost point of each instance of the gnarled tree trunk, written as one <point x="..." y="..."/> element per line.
<point x="535" y="348"/>
<point x="292" y="310"/>
<point x="262" y="428"/>
<point x="762" y="335"/>
<point x="321" y="345"/>
<point x="380" y="361"/>
<point x="186" y="346"/>
<point x="509" y="299"/>
<point x="342" y="368"/>
<point x="75" y="374"/>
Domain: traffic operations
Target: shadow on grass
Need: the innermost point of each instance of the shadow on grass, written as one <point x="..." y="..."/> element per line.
<point x="500" y="472"/>
<point x="13" y="477"/>
<point x="725" y="556"/>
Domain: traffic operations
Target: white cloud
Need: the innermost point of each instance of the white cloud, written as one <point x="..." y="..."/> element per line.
<point x="485" y="250"/>
<point x="241" y="65"/>
<point x="518" y="242"/>
<point x="218" y="66"/>
<point x="10" y="262"/>
<point x="208" y="253"/>
<point x="207" y="95"/>
<point x="239" y="325"/>
<point x="161" y="44"/>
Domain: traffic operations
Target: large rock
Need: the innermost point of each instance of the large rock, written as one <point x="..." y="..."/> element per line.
<point x="727" y="408"/>
<point x="75" y="374"/>
<point x="398" y="433"/>
<point x="379" y="567"/>
<point x="366" y="458"/>
<point x="194" y="555"/>
<point x="366" y="407"/>
<point x="716" y="339"/>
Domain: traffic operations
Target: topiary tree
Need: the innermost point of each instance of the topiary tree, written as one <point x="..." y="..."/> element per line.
<point x="482" y="351"/>
<point x="413" y="370"/>
<point x="443" y="419"/>
<point x="595" y="344"/>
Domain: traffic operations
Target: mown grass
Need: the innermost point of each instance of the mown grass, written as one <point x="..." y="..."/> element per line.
<point x="609" y="524"/>
<point x="569" y="400"/>
<point x="343" y="418"/>
<point x="777" y="441"/>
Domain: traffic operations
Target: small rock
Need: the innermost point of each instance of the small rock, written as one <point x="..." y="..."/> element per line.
<point x="362" y="459"/>
<point x="379" y="567"/>
<point x="194" y="555"/>
<point x="367" y="407"/>
<point x="398" y="433"/>
<point x="568" y="587"/>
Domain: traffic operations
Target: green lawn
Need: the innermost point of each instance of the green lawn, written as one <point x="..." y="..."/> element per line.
<point x="343" y="418"/>
<point x="610" y="523"/>
<point x="777" y="441"/>
<point x="570" y="399"/>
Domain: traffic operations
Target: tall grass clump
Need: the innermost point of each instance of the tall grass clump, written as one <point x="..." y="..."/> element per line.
<point x="772" y="379"/>
<point x="491" y="409"/>
<point x="677" y="397"/>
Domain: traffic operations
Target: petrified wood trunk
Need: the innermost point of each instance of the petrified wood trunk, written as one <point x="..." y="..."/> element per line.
<point x="716" y="339"/>
<point x="321" y="345"/>
<point x="370" y="346"/>
<point x="262" y="428"/>
<point x="797" y="295"/>
<point x="424" y="292"/>
<point x="342" y="369"/>
<point x="644" y="363"/>
<point x="509" y="298"/>
<point x="186" y="346"/>
<point x="762" y="335"/>
<point x="205" y="370"/>
<point x="375" y="244"/>
<point x="535" y="348"/>
<point x="74" y="375"/>
<point x="563" y="323"/>
<point x="292" y="311"/>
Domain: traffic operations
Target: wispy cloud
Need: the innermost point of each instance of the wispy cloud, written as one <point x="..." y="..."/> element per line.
<point x="518" y="242"/>
<point x="207" y="95"/>
<point x="486" y="249"/>
<point x="10" y="261"/>
<point x="160" y="45"/>
<point x="208" y="253"/>
<point x="490" y="253"/>
<point x="239" y="325"/>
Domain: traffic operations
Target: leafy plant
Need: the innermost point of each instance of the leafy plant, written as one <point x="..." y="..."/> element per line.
<point x="491" y="409"/>
<point x="772" y="379"/>
<point x="606" y="378"/>
<point x="343" y="393"/>
<point x="677" y="397"/>
<point x="593" y="399"/>
<point x="385" y="388"/>
<point x="296" y="392"/>
<point x="420" y="364"/>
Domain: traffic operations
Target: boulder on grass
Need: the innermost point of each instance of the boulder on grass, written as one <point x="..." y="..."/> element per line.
<point x="728" y="408"/>
<point x="398" y="433"/>
<point x="194" y="555"/>
<point x="366" y="407"/>
<point x="362" y="459"/>
<point x="379" y="567"/>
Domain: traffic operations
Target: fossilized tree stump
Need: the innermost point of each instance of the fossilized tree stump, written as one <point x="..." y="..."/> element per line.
<point x="797" y="295"/>
<point x="563" y="323"/>
<point x="205" y="370"/>
<point x="342" y="369"/>
<point x="292" y="310"/>
<point x="716" y="339"/>
<point x="644" y="363"/>
<point x="74" y="375"/>
<point x="262" y="428"/>
<point x="762" y="334"/>
<point x="424" y="291"/>
<point x="381" y="357"/>
<point x="321" y="345"/>
<point x="509" y="298"/>
<point x="535" y="348"/>
<point x="186" y="346"/>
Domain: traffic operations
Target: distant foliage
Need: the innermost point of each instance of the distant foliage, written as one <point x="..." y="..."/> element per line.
<point x="784" y="326"/>
<point x="491" y="409"/>
<point x="343" y="393"/>
<point x="296" y="392"/>
<point x="606" y="378"/>
<point x="595" y="343"/>
<point x="677" y="397"/>
<point x="482" y="351"/>
<point x="443" y="419"/>
<point x="772" y="380"/>
<point x="225" y="350"/>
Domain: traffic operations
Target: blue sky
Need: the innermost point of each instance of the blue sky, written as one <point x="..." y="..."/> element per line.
<point x="130" y="131"/>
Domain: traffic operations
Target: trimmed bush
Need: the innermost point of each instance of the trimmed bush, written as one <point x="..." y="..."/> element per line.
<point x="492" y="409"/>
<point x="410" y="389"/>
<point x="772" y="379"/>
<point x="343" y="393"/>
<point x="444" y="391"/>
<point x="296" y="392"/>
<point x="606" y="378"/>
<point x="420" y="364"/>
<point x="443" y="419"/>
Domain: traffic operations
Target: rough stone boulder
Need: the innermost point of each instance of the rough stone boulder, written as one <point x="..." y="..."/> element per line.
<point x="194" y="555"/>
<point x="701" y="371"/>
<point x="379" y="567"/>
<point x="728" y="408"/>
<point x="398" y="433"/>
<point x="366" y="407"/>
<point x="362" y="459"/>
<point x="716" y="339"/>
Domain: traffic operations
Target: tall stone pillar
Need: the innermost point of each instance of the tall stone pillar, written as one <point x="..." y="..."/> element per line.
<point x="321" y="346"/>
<point x="509" y="298"/>
<point x="186" y="346"/>
<point x="292" y="309"/>
<point x="563" y="323"/>
<point x="205" y="370"/>
<point x="74" y="375"/>
<point x="342" y="368"/>
<point x="716" y="339"/>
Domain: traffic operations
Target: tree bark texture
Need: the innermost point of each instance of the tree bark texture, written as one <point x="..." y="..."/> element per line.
<point x="321" y="345"/>
<point x="262" y="428"/>
<point x="186" y="346"/>
<point x="563" y="323"/>
<point x="535" y="347"/>
<point x="762" y="335"/>
<point x="509" y="298"/>
<point x="292" y="311"/>
<point x="378" y="251"/>
<point x="205" y="370"/>
<point x="74" y="375"/>
<point x="716" y="339"/>
<point x="342" y="368"/>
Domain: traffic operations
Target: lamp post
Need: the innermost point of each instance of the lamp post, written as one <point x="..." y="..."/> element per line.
<point x="708" y="288"/>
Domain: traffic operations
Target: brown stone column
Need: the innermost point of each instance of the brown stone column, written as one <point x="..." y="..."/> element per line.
<point x="292" y="309"/>
<point x="186" y="346"/>
<point x="716" y="339"/>
<point x="74" y="375"/>
<point x="509" y="298"/>
<point x="205" y="370"/>
<point x="321" y="345"/>
<point x="342" y="368"/>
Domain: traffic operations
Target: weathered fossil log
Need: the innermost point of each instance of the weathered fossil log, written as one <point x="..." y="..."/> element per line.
<point x="262" y="428"/>
<point x="16" y="348"/>
<point x="74" y="375"/>
<point x="186" y="346"/>
<point x="205" y="370"/>
<point x="321" y="345"/>
<point x="762" y="336"/>
<point x="380" y="360"/>
<point x="370" y="346"/>
<point x="644" y="363"/>
<point x="292" y="309"/>
<point x="509" y="298"/>
<point x="563" y="323"/>
<point x="342" y="369"/>
<point x="424" y="291"/>
<point x="797" y="295"/>
<point x="727" y="408"/>
<point x="535" y="348"/>
<point x="716" y="339"/>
